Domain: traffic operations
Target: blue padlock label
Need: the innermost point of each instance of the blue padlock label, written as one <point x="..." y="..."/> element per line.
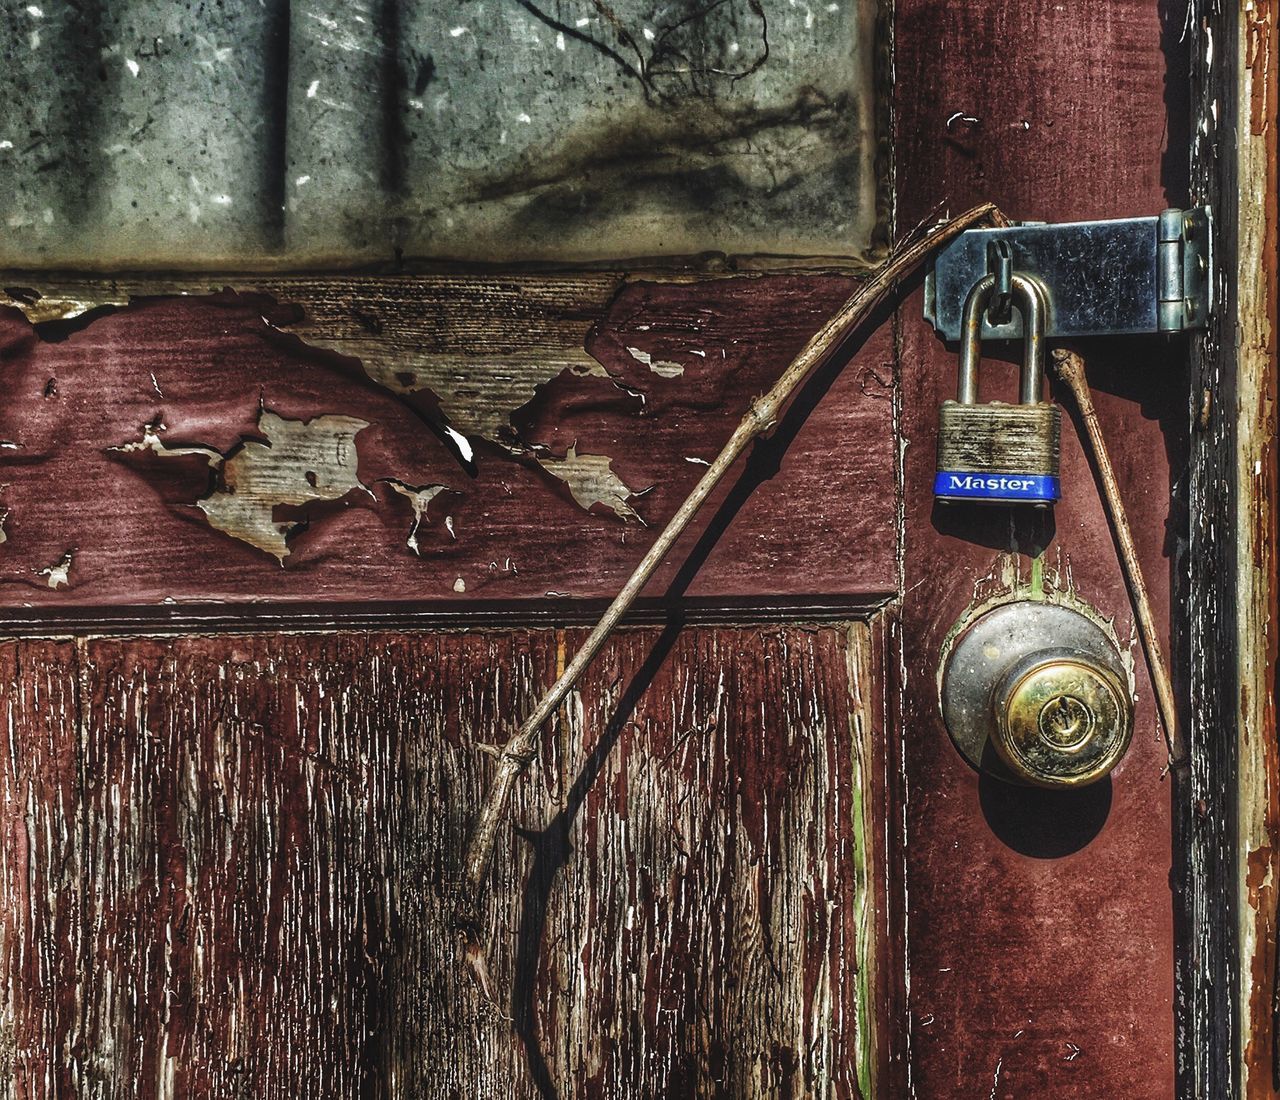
<point x="1012" y="487"/>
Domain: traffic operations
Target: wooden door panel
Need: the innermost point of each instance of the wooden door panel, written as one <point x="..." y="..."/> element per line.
<point x="286" y="472"/>
<point x="229" y="862"/>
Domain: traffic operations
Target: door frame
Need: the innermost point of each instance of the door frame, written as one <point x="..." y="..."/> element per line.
<point x="1230" y="817"/>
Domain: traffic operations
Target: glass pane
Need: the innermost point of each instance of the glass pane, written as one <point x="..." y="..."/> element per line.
<point x="320" y="132"/>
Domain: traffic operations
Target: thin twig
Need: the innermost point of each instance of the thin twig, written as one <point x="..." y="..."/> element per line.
<point x="1069" y="367"/>
<point x="522" y="747"/>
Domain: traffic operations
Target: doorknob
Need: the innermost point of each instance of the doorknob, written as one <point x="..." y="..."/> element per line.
<point x="1037" y="693"/>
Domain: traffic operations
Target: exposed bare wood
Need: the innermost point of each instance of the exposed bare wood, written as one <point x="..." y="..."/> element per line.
<point x="295" y="463"/>
<point x="521" y="747"/>
<point x="476" y="365"/>
<point x="1254" y="270"/>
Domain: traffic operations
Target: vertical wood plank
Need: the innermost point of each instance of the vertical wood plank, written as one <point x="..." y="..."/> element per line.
<point x="1041" y="931"/>
<point x="237" y="879"/>
<point x="41" y="874"/>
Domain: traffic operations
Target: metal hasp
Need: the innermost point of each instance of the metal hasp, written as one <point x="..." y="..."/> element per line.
<point x="1106" y="278"/>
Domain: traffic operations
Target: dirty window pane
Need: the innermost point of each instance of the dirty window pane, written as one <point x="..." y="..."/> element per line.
<point x="315" y="132"/>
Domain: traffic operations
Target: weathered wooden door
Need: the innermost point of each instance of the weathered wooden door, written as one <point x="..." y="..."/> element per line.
<point x="333" y="418"/>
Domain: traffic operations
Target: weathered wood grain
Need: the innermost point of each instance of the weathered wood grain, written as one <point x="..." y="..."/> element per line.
<point x="44" y="943"/>
<point x="229" y="864"/>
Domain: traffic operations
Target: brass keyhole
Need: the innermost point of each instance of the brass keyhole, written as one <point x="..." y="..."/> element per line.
<point x="1066" y="721"/>
<point x="1061" y="719"/>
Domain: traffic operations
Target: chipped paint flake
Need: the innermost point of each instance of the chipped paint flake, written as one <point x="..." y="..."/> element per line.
<point x="591" y="481"/>
<point x="58" y="575"/>
<point x="60" y="304"/>
<point x="660" y="367"/>
<point x="420" y="497"/>
<point x="463" y="444"/>
<point x="151" y="441"/>
<point x="476" y="398"/>
<point x="475" y="387"/>
<point x="301" y="462"/>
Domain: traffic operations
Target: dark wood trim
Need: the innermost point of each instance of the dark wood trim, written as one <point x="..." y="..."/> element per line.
<point x="256" y="618"/>
<point x="1228" y="817"/>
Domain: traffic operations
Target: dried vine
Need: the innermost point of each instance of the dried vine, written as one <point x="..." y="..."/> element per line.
<point x="522" y="746"/>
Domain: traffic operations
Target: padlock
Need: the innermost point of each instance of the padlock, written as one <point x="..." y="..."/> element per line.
<point x="997" y="453"/>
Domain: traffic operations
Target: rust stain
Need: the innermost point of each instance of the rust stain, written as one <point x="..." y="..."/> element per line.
<point x="1259" y="38"/>
<point x="1257" y="882"/>
<point x="1260" y="888"/>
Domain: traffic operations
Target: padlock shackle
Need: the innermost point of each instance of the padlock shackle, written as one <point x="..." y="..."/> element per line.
<point x="1028" y="299"/>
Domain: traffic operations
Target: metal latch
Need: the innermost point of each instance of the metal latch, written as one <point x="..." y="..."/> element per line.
<point x="1101" y="278"/>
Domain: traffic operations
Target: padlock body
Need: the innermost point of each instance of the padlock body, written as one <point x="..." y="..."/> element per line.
<point x="997" y="453"/>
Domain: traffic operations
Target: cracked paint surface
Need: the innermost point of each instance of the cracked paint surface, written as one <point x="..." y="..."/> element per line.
<point x="258" y="835"/>
<point x="176" y="487"/>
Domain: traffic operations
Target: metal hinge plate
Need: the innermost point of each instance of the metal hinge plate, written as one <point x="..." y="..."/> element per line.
<point x="1105" y="278"/>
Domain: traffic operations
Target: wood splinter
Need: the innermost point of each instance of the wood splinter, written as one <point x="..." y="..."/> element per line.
<point x="1069" y="367"/>
<point x="522" y="747"/>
